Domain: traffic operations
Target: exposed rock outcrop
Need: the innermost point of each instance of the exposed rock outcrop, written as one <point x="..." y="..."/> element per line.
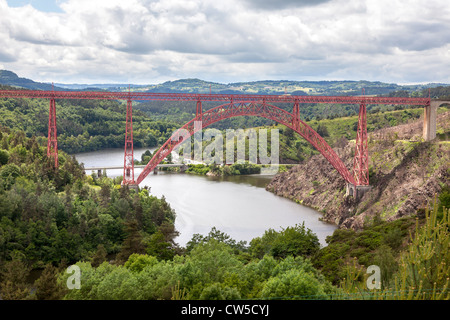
<point x="405" y="175"/>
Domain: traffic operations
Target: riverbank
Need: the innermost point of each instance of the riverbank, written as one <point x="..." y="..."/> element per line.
<point x="236" y="204"/>
<point x="235" y="169"/>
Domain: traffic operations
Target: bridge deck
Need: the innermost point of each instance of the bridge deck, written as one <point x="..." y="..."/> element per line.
<point x="150" y="96"/>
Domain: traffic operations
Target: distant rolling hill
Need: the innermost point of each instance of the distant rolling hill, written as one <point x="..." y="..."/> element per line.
<point x="11" y="79"/>
<point x="254" y="87"/>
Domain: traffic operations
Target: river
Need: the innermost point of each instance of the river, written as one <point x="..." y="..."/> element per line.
<point x="237" y="205"/>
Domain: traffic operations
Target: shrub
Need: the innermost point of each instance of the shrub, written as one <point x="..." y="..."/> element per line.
<point x="217" y="292"/>
<point x="294" y="284"/>
<point x="4" y="157"/>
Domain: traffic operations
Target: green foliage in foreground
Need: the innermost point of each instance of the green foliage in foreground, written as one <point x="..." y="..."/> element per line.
<point x="211" y="271"/>
<point x="423" y="268"/>
<point x="379" y="243"/>
<point x="215" y="268"/>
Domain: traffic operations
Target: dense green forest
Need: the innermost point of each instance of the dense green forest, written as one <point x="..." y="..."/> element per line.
<point x="61" y="215"/>
<point x="122" y="240"/>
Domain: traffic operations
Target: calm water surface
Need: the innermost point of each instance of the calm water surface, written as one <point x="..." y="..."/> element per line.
<point x="237" y="205"/>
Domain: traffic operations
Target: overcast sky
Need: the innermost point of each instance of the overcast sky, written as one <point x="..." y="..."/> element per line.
<point x="151" y="41"/>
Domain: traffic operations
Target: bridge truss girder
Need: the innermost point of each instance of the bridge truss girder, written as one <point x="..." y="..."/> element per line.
<point x="260" y="109"/>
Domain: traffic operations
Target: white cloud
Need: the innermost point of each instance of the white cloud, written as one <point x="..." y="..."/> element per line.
<point x="281" y="4"/>
<point x="149" y="41"/>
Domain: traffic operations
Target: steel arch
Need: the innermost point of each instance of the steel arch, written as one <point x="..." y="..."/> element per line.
<point x="250" y="108"/>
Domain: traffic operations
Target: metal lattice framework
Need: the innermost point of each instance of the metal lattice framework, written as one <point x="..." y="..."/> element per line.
<point x="52" y="141"/>
<point x="128" y="161"/>
<point x="236" y="105"/>
<point x="361" y="159"/>
<point x="260" y="109"/>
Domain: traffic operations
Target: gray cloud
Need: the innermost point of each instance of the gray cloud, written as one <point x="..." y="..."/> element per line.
<point x="418" y="36"/>
<point x="7" y="57"/>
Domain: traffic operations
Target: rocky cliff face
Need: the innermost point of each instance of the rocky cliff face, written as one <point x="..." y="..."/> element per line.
<point x="405" y="175"/>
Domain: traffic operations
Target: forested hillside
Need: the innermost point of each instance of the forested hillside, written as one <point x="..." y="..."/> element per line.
<point x="52" y="215"/>
<point x="11" y="79"/>
<point x="83" y="125"/>
<point x="123" y="243"/>
<point x="252" y="87"/>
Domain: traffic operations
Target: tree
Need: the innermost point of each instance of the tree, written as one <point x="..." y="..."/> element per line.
<point x="385" y="259"/>
<point x="105" y="194"/>
<point x="210" y="262"/>
<point x="288" y="132"/>
<point x="47" y="287"/>
<point x="322" y="130"/>
<point x="99" y="256"/>
<point x="294" y="284"/>
<point x="161" y="244"/>
<point x="216" y="235"/>
<point x="14" y="285"/>
<point x="161" y="211"/>
<point x="133" y="241"/>
<point x="4" y="157"/>
<point x="8" y="175"/>
<point x="296" y="241"/>
<point x="159" y="247"/>
<point x="217" y="292"/>
<point x="423" y="267"/>
<point x="169" y="232"/>
<point x="260" y="246"/>
<point x="292" y="241"/>
<point x="444" y="199"/>
<point x="137" y="262"/>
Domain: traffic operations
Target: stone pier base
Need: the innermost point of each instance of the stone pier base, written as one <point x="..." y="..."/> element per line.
<point x="356" y="191"/>
<point x="429" y="121"/>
